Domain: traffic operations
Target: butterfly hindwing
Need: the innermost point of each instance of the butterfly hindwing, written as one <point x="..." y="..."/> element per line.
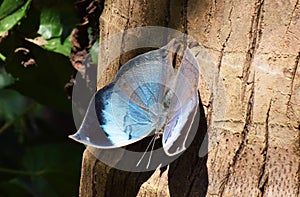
<point x="122" y="120"/>
<point x="183" y="106"/>
<point x="178" y="127"/>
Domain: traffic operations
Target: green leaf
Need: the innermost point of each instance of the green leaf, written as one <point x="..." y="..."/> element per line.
<point x="2" y="57"/>
<point x="9" y="6"/>
<point x="12" y="188"/>
<point x="53" y="167"/>
<point x="5" y="79"/>
<point x="36" y="186"/>
<point x="94" y="51"/>
<point x="46" y="171"/>
<point x="56" y="24"/>
<point x="11" y="104"/>
<point x="56" y="45"/>
<point x="50" y="24"/>
<point x="9" y="20"/>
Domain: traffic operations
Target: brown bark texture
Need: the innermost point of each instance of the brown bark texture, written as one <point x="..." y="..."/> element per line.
<point x="255" y="46"/>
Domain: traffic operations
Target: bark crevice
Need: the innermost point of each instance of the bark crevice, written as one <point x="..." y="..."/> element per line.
<point x="291" y="18"/>
<point x="248" y="123"/>
<point x="298" y="174"/>
<point x="168" y="13"/>
<point x="94" y="179"/>
<point x="226" y="40"/>
<point x="184" y="16"/>
<point x="254" y="38"/>
<point x="263" y="176"/>
<point x="294" y="72"/>
<point x="130" y="12"/>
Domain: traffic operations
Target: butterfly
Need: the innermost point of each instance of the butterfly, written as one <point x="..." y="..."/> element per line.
<point x="147" y="97"/>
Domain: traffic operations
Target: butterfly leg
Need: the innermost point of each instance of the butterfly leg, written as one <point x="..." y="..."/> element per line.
<point x="152" y="141"/>
<point x="156" y="136"/>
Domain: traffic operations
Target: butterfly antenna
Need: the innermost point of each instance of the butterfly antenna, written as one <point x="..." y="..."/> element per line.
<point x="146" y="150"/>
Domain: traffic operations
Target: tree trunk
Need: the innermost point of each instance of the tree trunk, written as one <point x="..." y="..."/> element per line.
<point x="256" y="48"/>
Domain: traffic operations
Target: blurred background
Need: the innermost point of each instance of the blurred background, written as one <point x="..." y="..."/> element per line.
<point x="43" y="44"/>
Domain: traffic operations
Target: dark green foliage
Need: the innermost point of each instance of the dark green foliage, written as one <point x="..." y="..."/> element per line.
<point x="36" y="157"/>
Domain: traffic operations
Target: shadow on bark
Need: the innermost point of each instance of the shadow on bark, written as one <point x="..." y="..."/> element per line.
<point x="188" y="174"/>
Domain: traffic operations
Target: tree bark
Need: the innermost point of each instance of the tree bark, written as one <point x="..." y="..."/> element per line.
<point x="256" y="47"/>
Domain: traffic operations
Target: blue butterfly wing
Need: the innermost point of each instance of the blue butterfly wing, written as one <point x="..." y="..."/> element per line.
<point x="90" y="131"/>
<point x="143" y="79"/>
<point x="122" y="120"/>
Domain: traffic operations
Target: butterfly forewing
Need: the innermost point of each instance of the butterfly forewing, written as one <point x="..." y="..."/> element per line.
<point x="143" y="79"/>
